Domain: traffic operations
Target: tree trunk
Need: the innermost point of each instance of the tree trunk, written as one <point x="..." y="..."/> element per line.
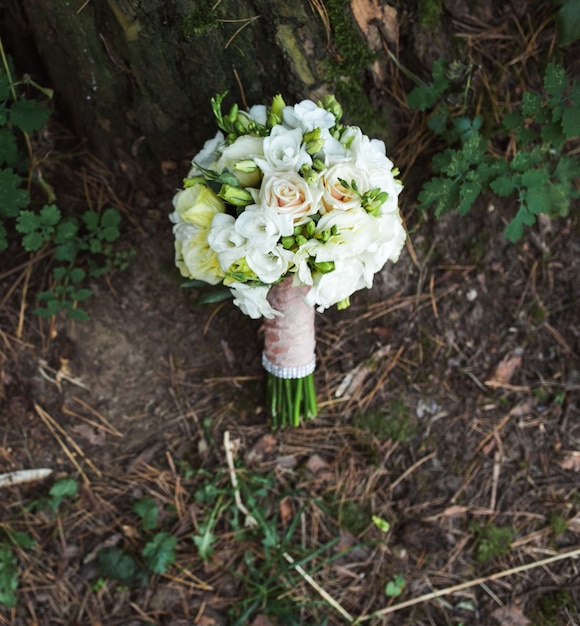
<point x="136" y="76"/>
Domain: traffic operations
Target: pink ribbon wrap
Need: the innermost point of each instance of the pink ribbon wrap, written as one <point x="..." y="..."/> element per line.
<point x="290" y="340"/>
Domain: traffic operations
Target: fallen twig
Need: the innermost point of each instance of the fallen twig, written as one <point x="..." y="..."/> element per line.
<point x="23" y="476"/>
<point x="466" y="585"/>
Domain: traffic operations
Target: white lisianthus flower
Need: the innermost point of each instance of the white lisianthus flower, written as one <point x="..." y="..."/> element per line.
<point x="288" y="194"/>
<point x="337" y="285"/>
<point x="263" y="227"/>
<point x="258" y="113"/>
<point x="356" y="232"/>
<point x="253" y="300"/>
<point x="270" y="266"/>
<point x="283" y="150"/>
<point x="207" y="157"/>
<point x="390" y="236"/>
<point x="307" y="116"/>
<point x="198" y="205"/>
<point x="334" y="195"/>
<point x="225" y="241"/>
<point x="244" y="148"/>
<point x="302" y="256"/>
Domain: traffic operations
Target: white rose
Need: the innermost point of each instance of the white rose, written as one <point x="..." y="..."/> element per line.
<point x="307" y="116"/>
<point x="263" y="227"/>
<point x="198" y="205"/>
<point x="283" y="150"/>
<point x="243" y="148"/>
<point x="270" y="266"/>
<point x="223" y="239"/>
<point x="289" y="194"/>
<point x="252" y="300"/>
<point x="334" y="286"/>
<point x="334" y="195"/>
<point x="195" y="258"/>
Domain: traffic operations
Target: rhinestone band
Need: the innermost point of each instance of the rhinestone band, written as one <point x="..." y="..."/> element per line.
<point x="288" y="372"/>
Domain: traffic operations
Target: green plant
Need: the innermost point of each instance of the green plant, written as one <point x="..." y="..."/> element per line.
<point x="492" y="541"/>
<point x="541" y="175"/>
<point x="394" y="587"/>
<point x="82" y="246"/>
<point x="8" y="576"/>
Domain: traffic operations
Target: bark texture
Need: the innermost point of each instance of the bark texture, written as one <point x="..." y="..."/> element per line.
<point x="136" y="75"/>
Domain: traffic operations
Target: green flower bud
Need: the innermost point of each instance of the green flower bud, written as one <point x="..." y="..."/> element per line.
<point x="235" y="195"/>
<point x="247" y="166"/>
<point x="308" y="174"/>
<point x="297" y="231"/>
<point x="325" y="236"/>
<point x="273" y="120"/>
<point x="301" y="240"/>
<point x="343" y="304"/>
<point x="324" y="266"/>
<point x="310" y="228"/>
<point x="233" y="113"/>
<point x="331" y="104"/>
<point x="311" y="135"/>
<point x="277" y="105"/>
<point x="190" y="182"/>
<point x="287" y="242"/>
<point x="318" y="165"/>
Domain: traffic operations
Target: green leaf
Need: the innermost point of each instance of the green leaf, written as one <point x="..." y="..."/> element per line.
<point x="8" y="576"/>
<point x="4" y="87"/>
<point x="78" y="295"/>
<point x="395" y="587"/>
<point x="468" y="194"/>
<point x="66" y="251"/>
<point x="515" y="228"/>
<point x="28" y="115"/>
<point x="147" y="510"/>
<point x="204" y="542"/>
<point x="555" y="82"/>
<point x="63" y="488"/>
<point x="212" y="297"/>
<point x="8" y="147"/>
<point x="50" y="215"/>
<point x="111" y="217"/>
<point x="91" y="220"/>
<point x="503" y="186"/>
<point x="76" y="313"/>
<point x="76" y="275"/>
<point x="65" y="231"/>
<point x="532" y="103"/>
<point x="536" y="178"/>
<point x="21" y="539"/>
<point x="571" y="122"/>
<point x="12" y="198"/>
<point x="3" y="238"/>
<point x="568" y="20"/>
<point x="441" y="192"/>
<point x="381" y="524"/>
<point x="116" y="564"/>
<point x="552" y="134"/>
<point x="159" y="553"/>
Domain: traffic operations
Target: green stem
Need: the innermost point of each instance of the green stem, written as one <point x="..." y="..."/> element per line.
<point x="290" y="400"/>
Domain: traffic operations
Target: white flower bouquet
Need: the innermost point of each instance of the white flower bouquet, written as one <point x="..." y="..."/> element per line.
<point x="291" y="211"/>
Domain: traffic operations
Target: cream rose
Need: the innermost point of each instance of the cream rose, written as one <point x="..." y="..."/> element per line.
<point x="244" y="148"/>
<point x="335" y="195"/>
<point x="197" y="205"/>
<point x="289" y="194"/>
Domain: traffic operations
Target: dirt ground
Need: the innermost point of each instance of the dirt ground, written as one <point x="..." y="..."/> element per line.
<point x="449" y="400"/>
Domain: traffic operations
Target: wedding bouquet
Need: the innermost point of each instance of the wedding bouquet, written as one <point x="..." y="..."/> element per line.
<point x="291" y="211"/>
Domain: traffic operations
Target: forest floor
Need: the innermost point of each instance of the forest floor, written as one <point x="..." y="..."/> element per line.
<point x="446" y="451"/>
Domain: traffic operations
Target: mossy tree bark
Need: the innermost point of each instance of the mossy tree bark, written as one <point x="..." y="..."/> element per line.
<point x="136" y="75"/>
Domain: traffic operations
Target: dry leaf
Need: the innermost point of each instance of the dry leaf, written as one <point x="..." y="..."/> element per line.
<point x="286" y="512"/>
<point x="506" y="369"/>
<point x="510" y="616"/>
<point x="571" y="461"/>
<point x="369" y="13"/>
<point x="265" y="446"/>
<point x="94" y="436"/>
<point x="319" y="467"/>
<point x="261" y="620"/>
